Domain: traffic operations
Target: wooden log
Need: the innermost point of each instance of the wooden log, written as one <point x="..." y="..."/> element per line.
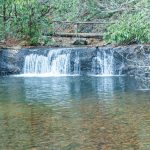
<point x="81" y="35"/>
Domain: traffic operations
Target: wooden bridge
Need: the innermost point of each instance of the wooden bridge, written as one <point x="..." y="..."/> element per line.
<point x="79" y="29"/>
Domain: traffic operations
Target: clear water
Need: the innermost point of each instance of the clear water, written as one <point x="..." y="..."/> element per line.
<point x="73" y="113"/>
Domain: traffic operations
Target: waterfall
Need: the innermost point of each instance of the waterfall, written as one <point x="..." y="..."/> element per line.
<point x="56" y="62"/>
<point x="77" y="64"/>
<point x="102" y="63"/>
<point x="59" y="62"/>
<point x="36" y="64"/>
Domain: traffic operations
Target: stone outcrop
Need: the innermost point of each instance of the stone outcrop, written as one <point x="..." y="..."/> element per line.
<point x="133" y="60"/>
<point x="11" y="61"/>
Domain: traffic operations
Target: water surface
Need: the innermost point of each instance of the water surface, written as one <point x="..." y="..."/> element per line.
<point x="73" y="113"/>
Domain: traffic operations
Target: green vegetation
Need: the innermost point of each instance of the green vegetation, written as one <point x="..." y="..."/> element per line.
<point x="31" y="19"/>
<point x="23" y="19"/>
<point x="130" y="28"/>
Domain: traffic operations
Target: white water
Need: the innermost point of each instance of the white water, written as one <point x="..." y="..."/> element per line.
<point x="56" y="63"/>
<point x="77" y="64"/>
<point x="102" y="64"/>
<point x="65" y="62"/>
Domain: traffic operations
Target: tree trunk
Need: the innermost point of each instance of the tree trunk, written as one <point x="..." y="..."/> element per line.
<point x="4" y="20"/>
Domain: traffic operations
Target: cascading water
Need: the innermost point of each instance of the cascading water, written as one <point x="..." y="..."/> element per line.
<point x="36" y="64"/>
<point x="77" y="63"/>
<point x="57" y="62"/>
<point x="102" y="63"/>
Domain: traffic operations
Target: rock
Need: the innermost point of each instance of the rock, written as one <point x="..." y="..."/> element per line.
<point x="23" y="43"/>
<point x="125" y="59"/>
<point x="11" y="61"/>
<point x="2" y="45"/>
<point x="17" y="47"/>
<point x="80" y="42"/>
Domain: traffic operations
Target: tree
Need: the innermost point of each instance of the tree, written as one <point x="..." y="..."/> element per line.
<point x="24" y="19"/>
<point x="132" y="26"/>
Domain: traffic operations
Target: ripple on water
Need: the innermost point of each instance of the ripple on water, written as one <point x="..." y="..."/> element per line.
<point x="73" y="113"/>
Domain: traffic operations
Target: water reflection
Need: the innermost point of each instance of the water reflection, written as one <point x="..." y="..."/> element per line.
<point x="73" y="113"/>
<point x="65" y="89"/>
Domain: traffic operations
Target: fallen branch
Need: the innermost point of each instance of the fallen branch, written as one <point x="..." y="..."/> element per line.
<point x="81" y="35"/>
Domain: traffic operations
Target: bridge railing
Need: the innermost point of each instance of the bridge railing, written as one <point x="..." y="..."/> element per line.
<point x="79" y="29"/>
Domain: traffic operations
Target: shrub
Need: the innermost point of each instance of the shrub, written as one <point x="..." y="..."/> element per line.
<point x="26" y="20"/>
<point x="130" y="28"/>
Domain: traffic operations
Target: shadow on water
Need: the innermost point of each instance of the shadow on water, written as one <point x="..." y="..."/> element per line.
<point x="73" y="113"/>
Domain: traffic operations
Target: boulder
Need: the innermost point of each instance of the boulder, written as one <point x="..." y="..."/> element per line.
<point x="80" y="42"/>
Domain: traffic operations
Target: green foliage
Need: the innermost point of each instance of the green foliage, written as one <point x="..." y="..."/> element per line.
<point x="23" y="19"/>
<point x="34" y="41"/>
<point x="130" y="28"/>
<point x="65" y="9"/>
<point x="30" y="19"/>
